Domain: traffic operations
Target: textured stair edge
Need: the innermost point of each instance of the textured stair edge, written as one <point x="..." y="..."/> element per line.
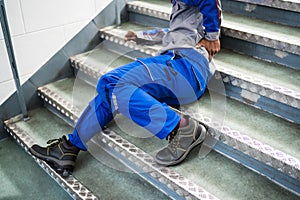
<point x="243" y="143"/>
<point x="281" y="4"/>
<point x="254" y="145"/>
<point x="251" y="93"/>
<point x="144" y="161"/>
<point x="261" y="87"/>
<point x="70" y="184"/>
<point x="227" y="28"/>
<point x="273" y="107"/>
<point x="254" y="148"/>
<point x="234" y="32"/>
<point x="107" y="35"/>
<point x="178" y="183"/>
<point x="275" y="176"/>
<point x="149" y="9"/>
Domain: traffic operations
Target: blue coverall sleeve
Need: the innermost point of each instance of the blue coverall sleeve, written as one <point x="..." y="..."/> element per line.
<point x="212" y="14"/>
<point x="211" y="11"/>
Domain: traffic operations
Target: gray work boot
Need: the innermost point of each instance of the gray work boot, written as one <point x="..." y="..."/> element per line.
<point x="59" y="154"/>
<point x="181" y="142"/>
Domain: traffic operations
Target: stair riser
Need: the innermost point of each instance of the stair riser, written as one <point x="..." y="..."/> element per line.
<point x="279" y="4"/>
<point x="264" y="103"/>
<point x="262" y="12"/>
<point x="153" y="20"/>
<point x="260" y="51"/>
<point x="276" y="176"/>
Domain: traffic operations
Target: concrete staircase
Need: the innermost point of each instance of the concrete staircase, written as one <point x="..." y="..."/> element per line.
<point x="254" y="123"/>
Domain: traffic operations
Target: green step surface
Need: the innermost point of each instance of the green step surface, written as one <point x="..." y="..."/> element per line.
<point x="22" y="179"/>
<point x="103" y="181"/>
<point x="270" y="126"/>
<point x="215" y="173"/>
<point x="259" y="69"/>
<point x="262" y="28"/>
<point x="262" y="126"/>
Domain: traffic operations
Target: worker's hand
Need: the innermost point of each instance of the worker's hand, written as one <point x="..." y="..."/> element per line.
<point x="130" y="35"/>
<point x="212" y="47"/>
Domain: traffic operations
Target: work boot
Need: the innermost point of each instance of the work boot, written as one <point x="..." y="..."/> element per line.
<point x="59" y="154"/>
<point x="181" y="142"/>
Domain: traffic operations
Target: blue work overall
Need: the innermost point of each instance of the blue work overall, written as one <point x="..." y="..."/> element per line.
<point x="142" y="91"/>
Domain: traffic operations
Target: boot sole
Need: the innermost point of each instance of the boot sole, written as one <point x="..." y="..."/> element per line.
<point x="197" y="142"/>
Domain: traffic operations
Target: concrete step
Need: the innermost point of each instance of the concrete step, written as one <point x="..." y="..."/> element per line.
<point x="265" y="85"/>
<point x="277" y="11"/>
<point x="254" y="37"/>
<point x="93" y="178"/>
<point x="131" y="139"/>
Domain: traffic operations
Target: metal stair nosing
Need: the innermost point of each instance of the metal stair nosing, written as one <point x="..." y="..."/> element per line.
<point x="268" y="105"/>
<point x="70" y="184"/>
<point x="251" y="147"/>
<point x="254" y="148"/>
<point x="261" y="88"/>
<point x="280" y="101"/>
<point x="138" y="157"/>
<point x="281" y="14"/>
<point x="281" y="4"/>
<point x="228" y="29"/>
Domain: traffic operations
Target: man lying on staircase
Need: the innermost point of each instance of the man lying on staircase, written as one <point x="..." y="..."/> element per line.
<point x="144" y="89"/>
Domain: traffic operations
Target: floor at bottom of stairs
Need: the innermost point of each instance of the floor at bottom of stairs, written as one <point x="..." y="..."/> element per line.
<point x="22" y="178"/>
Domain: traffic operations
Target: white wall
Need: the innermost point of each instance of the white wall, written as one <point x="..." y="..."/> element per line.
<point x="39" y="28"/>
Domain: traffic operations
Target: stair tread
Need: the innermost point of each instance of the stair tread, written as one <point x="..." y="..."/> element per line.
<point x="109" y="59"/>
<point x="244" y="24"/>
<point x="262" y="28"/>
<point x="44" y="125"/>
<point x="254" y="68"/>
<point x="257" y="124"/>
<point x="259" y="69"/>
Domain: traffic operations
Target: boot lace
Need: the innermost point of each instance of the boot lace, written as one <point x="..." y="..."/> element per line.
<point x="173" y="141"/>
<point x="53" y="142"/>
<point x="171" y="136"/>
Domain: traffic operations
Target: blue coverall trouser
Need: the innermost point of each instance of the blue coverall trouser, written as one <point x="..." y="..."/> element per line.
<point x="142" y="91"/>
